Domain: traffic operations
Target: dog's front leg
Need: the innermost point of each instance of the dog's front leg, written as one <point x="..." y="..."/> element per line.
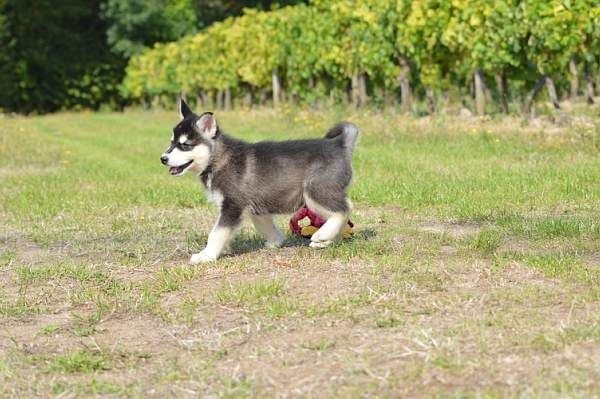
<point x="220" y="235"/>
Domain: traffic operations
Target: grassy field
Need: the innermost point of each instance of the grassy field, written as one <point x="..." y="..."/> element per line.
<point x="474" y="270"/>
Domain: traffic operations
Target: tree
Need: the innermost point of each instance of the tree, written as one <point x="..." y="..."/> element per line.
<point x="589" y="48"/>
<point x="134" y="25"/>
<point x="488" y="39"/>
<point x="420" y="38"/>
<point x="56" y="56"/>
<point x="554" y="35"/>
<point x="361" y="48"/>
<point x="9" y="86"/>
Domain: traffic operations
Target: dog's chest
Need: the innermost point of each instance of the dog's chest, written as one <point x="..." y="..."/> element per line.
<point x="212" y="194"/>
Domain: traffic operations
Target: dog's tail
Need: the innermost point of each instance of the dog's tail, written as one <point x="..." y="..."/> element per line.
<point x="346" y="133"/>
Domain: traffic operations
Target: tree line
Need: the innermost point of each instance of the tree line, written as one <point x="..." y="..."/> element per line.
<point x="72" y="54"/>
<point x="489" y="54"/>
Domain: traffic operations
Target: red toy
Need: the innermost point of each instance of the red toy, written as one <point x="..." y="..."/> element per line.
<point x="315" y="223"/>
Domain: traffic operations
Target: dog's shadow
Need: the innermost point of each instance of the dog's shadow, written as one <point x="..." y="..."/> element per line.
<point x="245" y="242"/>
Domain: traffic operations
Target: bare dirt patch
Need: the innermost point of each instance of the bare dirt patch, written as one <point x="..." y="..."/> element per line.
<point x="594" y="260"/>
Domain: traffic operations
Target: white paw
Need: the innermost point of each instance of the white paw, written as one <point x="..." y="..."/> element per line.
<point x="275" y="244"/>
<point x="320" y="244"/>
<point x="202" y="257"/>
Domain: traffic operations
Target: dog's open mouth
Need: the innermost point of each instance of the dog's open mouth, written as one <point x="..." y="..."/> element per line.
<point x="177" y="170"/>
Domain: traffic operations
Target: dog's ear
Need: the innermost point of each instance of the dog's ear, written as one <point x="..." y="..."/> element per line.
<point x="206" y="125"/>
<point x="184" y="110"/>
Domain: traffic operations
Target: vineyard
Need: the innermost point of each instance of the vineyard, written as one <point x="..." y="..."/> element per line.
<point x="487" y="55"/>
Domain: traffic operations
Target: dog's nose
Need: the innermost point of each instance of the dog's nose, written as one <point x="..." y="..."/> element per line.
<point x="164" y="159"/>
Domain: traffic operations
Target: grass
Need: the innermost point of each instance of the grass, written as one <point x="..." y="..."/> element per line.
<point x="250" y="293"/>
<point x="79" y="362"/>
<point x="319" y="345"/>
<point x="487" y="241"/>
<point x="50" y="329"/>
<point x="474" y="270"/>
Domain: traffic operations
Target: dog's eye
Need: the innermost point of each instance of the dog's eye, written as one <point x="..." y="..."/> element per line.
<point x="186" y="146"/>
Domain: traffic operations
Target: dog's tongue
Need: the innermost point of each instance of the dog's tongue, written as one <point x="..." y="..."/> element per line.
<point x="173" y="170"/>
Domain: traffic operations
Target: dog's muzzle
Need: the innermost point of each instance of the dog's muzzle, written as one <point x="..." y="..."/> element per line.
<point x="164" y="159"/>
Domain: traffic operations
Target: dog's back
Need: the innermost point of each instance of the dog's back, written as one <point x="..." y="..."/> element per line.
<point x="279" y="177"/>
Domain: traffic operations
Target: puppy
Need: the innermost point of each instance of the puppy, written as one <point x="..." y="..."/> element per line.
<point x="264" y="179"/>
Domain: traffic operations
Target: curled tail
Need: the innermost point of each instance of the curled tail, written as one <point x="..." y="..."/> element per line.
<point x="346" y="132"/>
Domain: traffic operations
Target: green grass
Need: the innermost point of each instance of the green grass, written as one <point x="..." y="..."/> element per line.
<point x="93" y="387"/>
<point x="318" y="345"/>
<point x="79" y="362"/>
<point x="470" y="175"/>
<point x="50" y="329"/>
<point x="566" y="266"/>
<point x="475" y="260"/>
<point x="82" y="273"/>
<point x="388" y="322"/>
<point x="250" y="293"/>
<point x="487" y="241"/>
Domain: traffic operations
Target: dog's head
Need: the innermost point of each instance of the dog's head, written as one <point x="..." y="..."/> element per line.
<point x="192" y="142"/>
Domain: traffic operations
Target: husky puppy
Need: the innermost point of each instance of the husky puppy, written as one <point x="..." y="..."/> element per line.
<point x="264" y="179"/>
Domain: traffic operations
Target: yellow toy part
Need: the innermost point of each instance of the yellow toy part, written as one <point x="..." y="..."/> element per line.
<point x="308" y="231"/>
<point x="347" y="232"/>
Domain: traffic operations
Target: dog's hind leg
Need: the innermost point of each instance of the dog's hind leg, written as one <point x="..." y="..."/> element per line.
<point x="264" y="225"/>
<point x="220" y="235"/>
<point x="334" y="225"/>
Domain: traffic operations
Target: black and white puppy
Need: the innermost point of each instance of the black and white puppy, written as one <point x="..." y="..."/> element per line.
<point x="265" y="178"/>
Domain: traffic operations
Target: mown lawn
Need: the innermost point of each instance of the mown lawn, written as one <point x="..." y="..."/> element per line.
<point x="474" y="270"/>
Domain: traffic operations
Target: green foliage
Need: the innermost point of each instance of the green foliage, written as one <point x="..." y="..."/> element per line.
<point x="53" y="55"/>
<point x="318" y="49"/>
<point x="554" y="30"/>
<point x="8" y="65"/>
<point x="487" y="35"/>
<point x="420" y="34"/>
<point x="73" y="54"/>
<point x="136" y="24"/>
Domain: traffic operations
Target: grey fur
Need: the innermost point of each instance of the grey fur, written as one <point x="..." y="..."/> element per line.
<point x="271" y="177"/>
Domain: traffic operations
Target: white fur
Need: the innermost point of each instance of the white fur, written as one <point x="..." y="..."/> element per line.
<point x="200" y="155"/>
<point x="317" y="208"/>
<point x="333" y="227"/>
<point x="330" y="231"/>
<point x="217" y="240"/>
<point x="265" y="226"/>
<point x="213" y="195"/>
<point x="183" y="138"/>
<point x="179" y="106"/>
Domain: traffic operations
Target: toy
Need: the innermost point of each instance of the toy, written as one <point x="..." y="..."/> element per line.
<point x="315" y="223"/>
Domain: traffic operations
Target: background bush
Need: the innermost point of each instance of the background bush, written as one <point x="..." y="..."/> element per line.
<point x="359" y="51"/>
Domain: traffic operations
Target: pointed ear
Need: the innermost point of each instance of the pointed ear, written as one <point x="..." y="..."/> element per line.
<point x="184" y="110"/>
<point x="207" y="125"/>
